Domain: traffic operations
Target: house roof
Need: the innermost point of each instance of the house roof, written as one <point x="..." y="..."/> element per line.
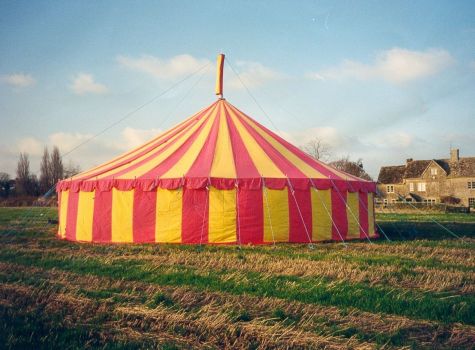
<point x="464" y="167"/>
<point x="391" y="174"/>
<point x="415" y="168"/>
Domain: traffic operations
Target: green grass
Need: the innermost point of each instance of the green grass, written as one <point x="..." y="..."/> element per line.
<point x="426" y="217"/>
<point x="31" y="214"/>
<point x="432" y="306"/>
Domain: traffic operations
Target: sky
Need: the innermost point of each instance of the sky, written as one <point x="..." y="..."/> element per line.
<point x="378" y="80"/>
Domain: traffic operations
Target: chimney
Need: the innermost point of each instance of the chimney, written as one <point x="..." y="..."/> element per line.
<point x="408" y="160"/>
<point x="454" y="155"/>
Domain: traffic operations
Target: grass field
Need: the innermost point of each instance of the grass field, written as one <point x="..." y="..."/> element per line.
<point x="417" y="291"/>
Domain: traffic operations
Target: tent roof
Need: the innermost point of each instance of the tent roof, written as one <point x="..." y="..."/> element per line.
<point x="222" y="146"/>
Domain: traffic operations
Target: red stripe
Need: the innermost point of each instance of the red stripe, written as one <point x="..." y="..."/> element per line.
<point x="202" y="165"/>
<point x="102" y="217"/>
<point x="182" y="128"/>
<point x="297" y="232"/>
<point x="295" y="150"/>
<point x="282" y="162"/>
<point x="245" y="167"/>
<point x="339" y="217"/>
<point x="72" y="215"/>
<point x="363" y="205"/>
<point x="195" y="216"/>
<point x="144" y="216"/>
<point x="251" y="216"/>
<point x="175" y="157"/>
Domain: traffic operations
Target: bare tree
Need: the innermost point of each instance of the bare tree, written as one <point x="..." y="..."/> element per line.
<point x="57" y="169"/>
<point x="33" y="186"/>
<point x="5" y="185"/>
<point x="71" y="169"/>
<point x="317" y="149"/>
<point x="23" y="173"/>
<point x="45" y="172"/>
<point x="354" y="168"/>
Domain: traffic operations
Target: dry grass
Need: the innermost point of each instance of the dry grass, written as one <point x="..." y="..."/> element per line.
<point x="197" y="313"/>
<point x="334" y="267"/>
<point x="62" y="294"/>
<point x="210" y="325"/>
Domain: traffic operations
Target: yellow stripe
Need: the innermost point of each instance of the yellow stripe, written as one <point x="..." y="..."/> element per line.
<point x="122" y="215"/>
<point x="291" y="157"/>
<point x="276" y="215"/>
<point x="261" y="160"/>
<point x="223" y="161"/>
<point x="135" y="151"/>
<point x="352" y="213"/>
<point x="175" y="144"/>
<point x="169" y="212"/>
<point x="321" y="211"/>
<point x="186" y="161"/>
<point x="370" y="214"/>
<point x="63" y="213"/>
<point x="85" y="216"/>
<point x="222" y="216"/>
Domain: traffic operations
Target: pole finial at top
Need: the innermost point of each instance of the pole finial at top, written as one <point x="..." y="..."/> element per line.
<point x="219" y="75"/>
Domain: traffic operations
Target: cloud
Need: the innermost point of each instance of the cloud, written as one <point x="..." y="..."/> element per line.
<point x="29" y="145"/>
<point x="135" y="137"/>
<point x="167" y="69"/>
<point x="84" y="83"/>
<point x="375" y="150"/>
<point x="99" y="150"/>
<point x="395" y="140"/>
<point x="19" y="80"/>
<point x="90" y="154"/>
<point x="66" y="141"/>
<point x="129" y="138"/>
<point x="339" y="142"/>
<point x="253" y="74"/>
<point x="396" y="65"/>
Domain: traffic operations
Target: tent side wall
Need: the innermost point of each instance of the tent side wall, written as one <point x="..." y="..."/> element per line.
<point x="215" y="216"/>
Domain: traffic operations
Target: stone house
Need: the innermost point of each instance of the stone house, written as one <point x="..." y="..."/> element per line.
<point x="429" y="181"/>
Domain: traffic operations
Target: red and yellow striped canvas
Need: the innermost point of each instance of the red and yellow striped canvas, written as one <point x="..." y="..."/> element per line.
<point x="218" y="177"/>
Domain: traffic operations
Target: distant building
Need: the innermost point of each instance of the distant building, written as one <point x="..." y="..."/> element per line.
<point x="430" y="181"/>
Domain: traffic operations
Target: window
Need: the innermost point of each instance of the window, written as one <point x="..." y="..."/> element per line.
<point x="471" y="202"/>
<point x="421" y="186"/>
<point x="390" y="189"/>
<point x="471" y="185"/>
<point x="411" y="187"/>
<point x="429" y="201"/>
<point x="433" y="171"/>
<point x="385" y="201"/>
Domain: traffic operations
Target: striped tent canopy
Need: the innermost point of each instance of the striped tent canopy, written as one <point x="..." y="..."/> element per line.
<point x="217" y="177"/>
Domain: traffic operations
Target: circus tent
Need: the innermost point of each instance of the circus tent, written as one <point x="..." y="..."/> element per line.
<point x="217" y="177"/>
